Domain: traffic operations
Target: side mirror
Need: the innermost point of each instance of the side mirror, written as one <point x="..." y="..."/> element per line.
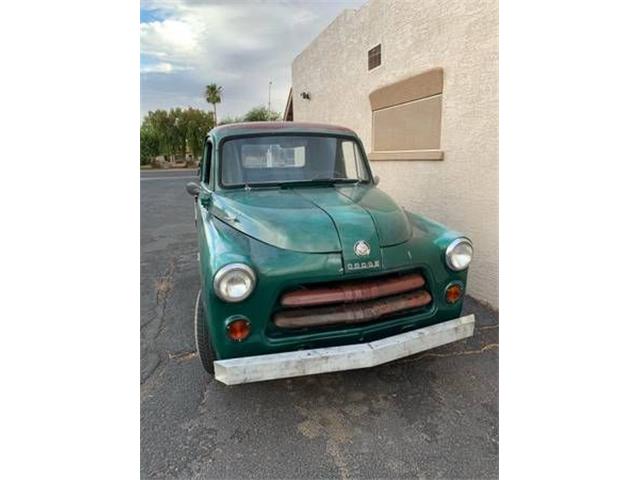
<point x="193" y="189"/>
<point x="376" y="179"/>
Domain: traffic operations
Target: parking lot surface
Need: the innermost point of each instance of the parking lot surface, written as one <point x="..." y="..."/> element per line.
<point x="433" y="415"/>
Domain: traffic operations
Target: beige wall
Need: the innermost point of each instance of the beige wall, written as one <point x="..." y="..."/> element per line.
<point x="460" y="36"/>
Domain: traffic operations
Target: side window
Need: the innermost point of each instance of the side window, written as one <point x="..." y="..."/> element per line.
<point x="205" y="164"/>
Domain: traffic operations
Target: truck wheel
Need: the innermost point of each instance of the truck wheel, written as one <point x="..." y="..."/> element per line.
<point x="203" y="340"/>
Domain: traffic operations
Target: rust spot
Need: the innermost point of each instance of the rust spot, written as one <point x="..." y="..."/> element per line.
<point x="354" y="313"/>
<point x="351" y="292"/>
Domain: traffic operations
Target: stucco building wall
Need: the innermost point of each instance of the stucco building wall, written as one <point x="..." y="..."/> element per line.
<point x="460" y="36"/>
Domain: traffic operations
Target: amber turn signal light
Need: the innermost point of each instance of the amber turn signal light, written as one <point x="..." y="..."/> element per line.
<point x="453" y="293"/>
<point x="239" y="330"/>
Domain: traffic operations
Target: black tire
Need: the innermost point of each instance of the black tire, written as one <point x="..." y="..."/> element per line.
<point x="203" y="340"/>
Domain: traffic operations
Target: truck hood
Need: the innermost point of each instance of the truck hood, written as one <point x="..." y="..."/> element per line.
<point x="316" y="219"/>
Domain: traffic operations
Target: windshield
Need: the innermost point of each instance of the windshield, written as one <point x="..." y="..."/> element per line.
<point x="291" y="159"/>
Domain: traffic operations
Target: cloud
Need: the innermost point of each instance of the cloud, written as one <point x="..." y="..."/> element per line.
<point x="168" y="38"/>
<point x="161" y="68"/>
<point x="240" y="45"/>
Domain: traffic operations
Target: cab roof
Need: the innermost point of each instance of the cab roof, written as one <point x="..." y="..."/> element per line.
<point x="250" y="128"/>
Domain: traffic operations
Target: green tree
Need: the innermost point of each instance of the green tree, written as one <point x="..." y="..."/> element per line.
<point x="228" y="119"/>
<point x="213" y="95"/>
<point x="173" y="132"/>
<point x="177" y="132"/>
<point x="198" y="123"/>
<point x="261" y="114"/>
<point x="158" y="121"/>
<point x="149" y="144"/>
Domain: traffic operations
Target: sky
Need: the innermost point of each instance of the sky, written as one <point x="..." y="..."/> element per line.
<point x="241" y="45"/>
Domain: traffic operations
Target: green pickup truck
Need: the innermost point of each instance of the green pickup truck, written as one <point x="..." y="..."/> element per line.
<point x="306" y="266"/>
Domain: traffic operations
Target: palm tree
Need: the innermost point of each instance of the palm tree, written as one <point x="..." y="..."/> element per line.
<point x="213" y="95"/>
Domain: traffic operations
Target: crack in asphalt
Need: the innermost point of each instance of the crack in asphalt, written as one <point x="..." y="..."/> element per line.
<point x="204" y="395"/>
<point x="329" y="423"/>
<point x="150" y="329"/>
<point x="488" y="327"/>
<point x="183" y="356"/>
<point x="485" y="348"/>
<point x="164" y="283"/>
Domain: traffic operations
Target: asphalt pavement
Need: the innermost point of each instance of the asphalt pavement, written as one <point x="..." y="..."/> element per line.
<point x="433" y="415"/>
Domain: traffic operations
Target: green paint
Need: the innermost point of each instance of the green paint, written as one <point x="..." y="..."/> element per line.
<point x="300" y="235"/>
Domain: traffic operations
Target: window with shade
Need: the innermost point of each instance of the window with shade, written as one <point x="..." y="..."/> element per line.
<point x="407" y="117"/>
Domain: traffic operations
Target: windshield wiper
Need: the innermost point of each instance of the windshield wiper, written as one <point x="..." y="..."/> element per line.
<point x="335" y="180"/>
<point x="318" y="181"/>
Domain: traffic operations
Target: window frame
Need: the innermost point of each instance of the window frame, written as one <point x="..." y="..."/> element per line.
<point x="207" y="164"/>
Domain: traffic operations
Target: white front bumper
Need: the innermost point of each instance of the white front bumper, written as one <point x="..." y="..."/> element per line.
<point x="346" y="357"/>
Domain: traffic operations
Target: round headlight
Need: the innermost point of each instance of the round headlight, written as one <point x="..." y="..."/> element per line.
<point x="234" y="282"/>
<point x="459" y="254"/>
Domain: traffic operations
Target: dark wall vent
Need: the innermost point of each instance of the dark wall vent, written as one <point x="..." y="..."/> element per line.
<point x="375" y="56"/>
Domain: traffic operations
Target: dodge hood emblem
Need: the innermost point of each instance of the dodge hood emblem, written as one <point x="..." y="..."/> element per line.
<point x="362" y="248"/>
